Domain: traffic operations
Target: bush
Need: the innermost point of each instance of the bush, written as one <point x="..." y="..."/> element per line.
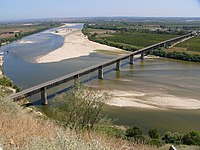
<point x="4" y="81"/>
<point x="135" y="132"/>
<point x="82" y="107"/>
<point x="192" y="138"/>
<point x="154" y="134"/>
<point x="157" y="142"/>
<point x="173" y="138"/>
<point x="111" y="131"/>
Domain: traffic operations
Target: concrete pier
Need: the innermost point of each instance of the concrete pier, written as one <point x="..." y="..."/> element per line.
<point x="76" y="79"/>
<point x="132" y="59"/>
<point x="118" y="65"/>
<point x="100" y="72"/>
<point x="44" y="100"/>
<point x="142" y="55"/>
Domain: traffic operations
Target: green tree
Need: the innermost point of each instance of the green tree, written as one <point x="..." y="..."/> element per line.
<point x="173" y="138"/>
<point x="154" y="134"/>
<point x="192" y="138"/>
<point x="135" y="132"/>
<point x="83" y="106"/>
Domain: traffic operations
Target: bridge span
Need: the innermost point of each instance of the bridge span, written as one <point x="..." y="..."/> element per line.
<point x="42" y="88"/>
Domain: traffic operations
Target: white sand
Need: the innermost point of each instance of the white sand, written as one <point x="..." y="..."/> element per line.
<point x="24" y="42"/>
<point x="1" y="63"/>
<point x="76" y="44"/>
<point x="151" y="101"/>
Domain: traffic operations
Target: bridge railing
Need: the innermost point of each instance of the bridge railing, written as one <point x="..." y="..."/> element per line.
<point x="42" y="88"/>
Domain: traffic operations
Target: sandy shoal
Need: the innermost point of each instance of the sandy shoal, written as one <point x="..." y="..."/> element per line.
<point x="151" y="101"/>
<point x="76" y="44"/>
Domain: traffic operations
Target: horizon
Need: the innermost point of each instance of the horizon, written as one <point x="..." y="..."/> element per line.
<point x="96" y="9"/>
<point x="95" y="17"/>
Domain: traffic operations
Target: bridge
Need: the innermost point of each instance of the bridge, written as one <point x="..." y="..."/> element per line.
<point x="42" y="88"/>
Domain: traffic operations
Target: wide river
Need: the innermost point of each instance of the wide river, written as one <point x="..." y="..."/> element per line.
<point x="158" y="76"/>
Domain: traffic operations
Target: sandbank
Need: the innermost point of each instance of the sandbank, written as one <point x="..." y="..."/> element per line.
<point x="151" y="100"/>
<point x="25" y="42"/>
<point x="76" y="44"/>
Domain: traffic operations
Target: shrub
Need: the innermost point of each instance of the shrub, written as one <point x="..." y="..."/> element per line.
<point x="135" y="132"/>
<point x="173" y="138"/>
<point x="82" y="107"/>
<point x="154" y="134"/>
<point x="4" y="81"/>
<point x="192" y="138"/>
<point x="157" y="142"/>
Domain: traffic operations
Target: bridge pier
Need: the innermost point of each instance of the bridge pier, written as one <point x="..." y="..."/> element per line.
<point x="100" y="72"/>
<point x="118" y="65"/>
<point x="165" y="45"/>
<point x="76" y="80"/>
<point x="150" y="52"/>
<point x="142" y="55"/>
<point x="132" y="59"/>
<point x="44" y="100"/>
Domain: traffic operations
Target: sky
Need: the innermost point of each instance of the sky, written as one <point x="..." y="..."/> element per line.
<point x="26" y="9"/>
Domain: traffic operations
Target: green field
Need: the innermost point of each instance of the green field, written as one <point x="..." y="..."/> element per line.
<point x="192" y="44"/>
<point x="139" y="40"/>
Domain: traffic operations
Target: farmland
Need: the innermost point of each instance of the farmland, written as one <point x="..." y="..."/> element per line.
<point x="11" y="32"/>
<point x="134" y="36"/>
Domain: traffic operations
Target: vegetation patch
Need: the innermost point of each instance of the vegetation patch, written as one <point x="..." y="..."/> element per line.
<point x="177" y="55"/>
<point x="192" y="44"/>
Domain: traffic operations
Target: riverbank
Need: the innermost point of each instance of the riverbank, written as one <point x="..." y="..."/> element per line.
<point x="76" y="44"/>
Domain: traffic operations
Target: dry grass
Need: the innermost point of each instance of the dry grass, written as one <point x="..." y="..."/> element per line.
<point x="22" y="129"/>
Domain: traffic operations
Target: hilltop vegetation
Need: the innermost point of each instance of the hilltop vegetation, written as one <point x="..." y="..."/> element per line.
<point x="29" y="129"/>
<point x="16" y="122"/>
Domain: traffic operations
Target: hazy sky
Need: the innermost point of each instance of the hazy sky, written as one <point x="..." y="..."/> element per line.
<point x="23" y="9"/>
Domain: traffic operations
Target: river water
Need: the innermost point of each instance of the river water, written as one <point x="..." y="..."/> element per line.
<point x="157" y="77"/>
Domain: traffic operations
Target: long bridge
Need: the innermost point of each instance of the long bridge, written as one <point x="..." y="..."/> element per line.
<point x="42" y="88"/>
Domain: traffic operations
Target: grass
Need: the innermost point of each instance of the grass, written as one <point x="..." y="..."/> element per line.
<point x="192" y="44"/>
<point x="139" y="40"/>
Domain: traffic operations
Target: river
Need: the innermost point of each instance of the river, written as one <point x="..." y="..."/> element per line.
<point x="152" y="77"/>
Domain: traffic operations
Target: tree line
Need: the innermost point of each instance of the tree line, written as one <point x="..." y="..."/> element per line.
<point x="177" y="55"/>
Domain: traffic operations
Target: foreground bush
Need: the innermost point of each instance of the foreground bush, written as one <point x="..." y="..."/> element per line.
<point x="82" y="107"/>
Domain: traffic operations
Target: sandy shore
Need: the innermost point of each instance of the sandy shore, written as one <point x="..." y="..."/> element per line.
<point x="76" y="44"/>
<point x="25" y="42"/>
<point x="1" y="61"/>
<point x="151" y="100"/>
